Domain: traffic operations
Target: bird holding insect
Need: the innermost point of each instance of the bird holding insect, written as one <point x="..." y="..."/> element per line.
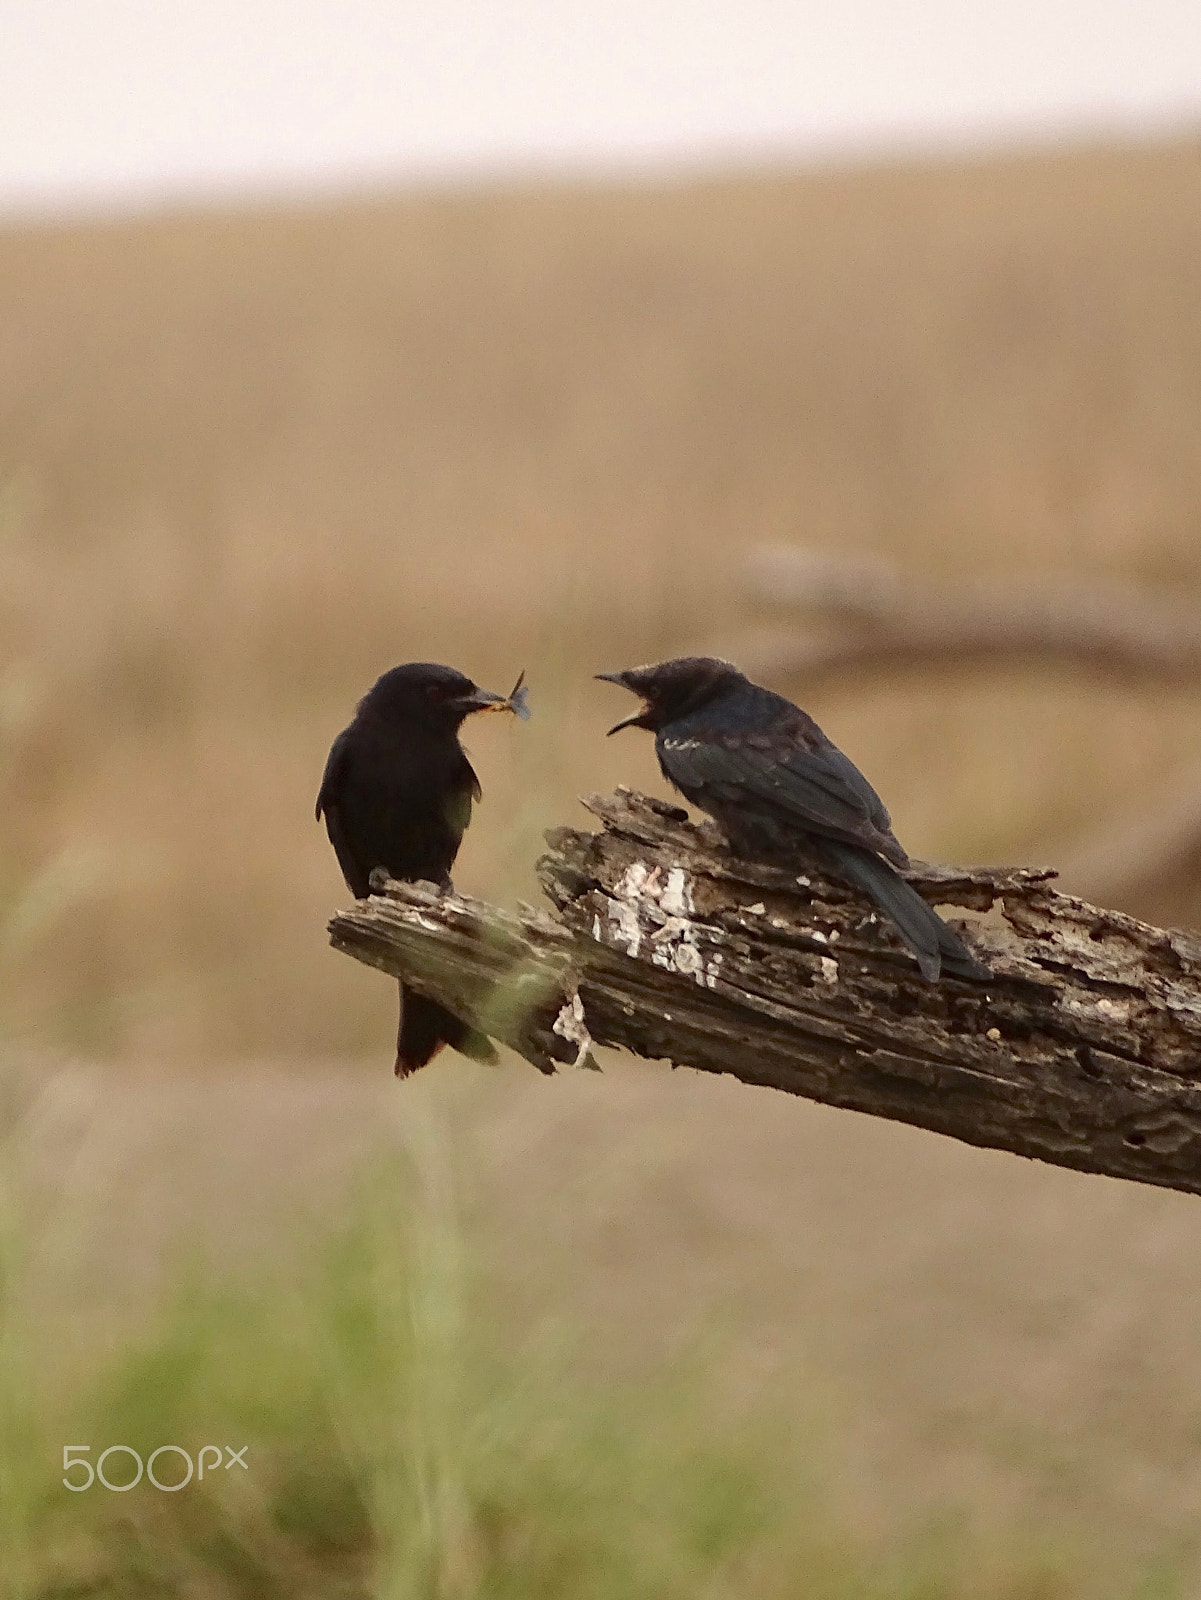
<point x="397" y="793"/>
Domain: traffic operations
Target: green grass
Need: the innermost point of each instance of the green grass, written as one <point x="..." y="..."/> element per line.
<point x="391" y="1452"/>
<point x="400" y="1447"/>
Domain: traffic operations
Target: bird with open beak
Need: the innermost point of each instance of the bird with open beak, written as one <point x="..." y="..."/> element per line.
<point x="778" y="788"/>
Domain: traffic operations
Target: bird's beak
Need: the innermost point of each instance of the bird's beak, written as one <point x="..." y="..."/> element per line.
<point x="638" y="720"/>
<point x="482" y="700"/>
<point x="516" y="701"/>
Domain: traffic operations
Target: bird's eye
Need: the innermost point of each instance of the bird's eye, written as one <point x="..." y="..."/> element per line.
<point x="434" y="690"/>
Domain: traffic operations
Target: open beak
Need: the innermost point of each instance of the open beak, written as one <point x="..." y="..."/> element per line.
<point x="638" y="719"/>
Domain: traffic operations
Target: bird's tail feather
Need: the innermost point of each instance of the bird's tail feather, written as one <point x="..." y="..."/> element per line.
<point x="936" y="946"/>
<point x="425" y="1026"/>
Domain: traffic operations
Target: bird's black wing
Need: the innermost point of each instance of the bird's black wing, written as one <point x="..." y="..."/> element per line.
<point x="335" y="771"/>
<point x="811" y="784"/>
<point x="329" y="803"/>
<point x="461" y="796"/>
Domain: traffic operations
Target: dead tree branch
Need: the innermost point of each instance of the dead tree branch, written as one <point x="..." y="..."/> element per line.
<point x="1085" y="1050"/>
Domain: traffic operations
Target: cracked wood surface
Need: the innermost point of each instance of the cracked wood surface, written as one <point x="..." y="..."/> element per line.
<point x="1085" y="1049"/>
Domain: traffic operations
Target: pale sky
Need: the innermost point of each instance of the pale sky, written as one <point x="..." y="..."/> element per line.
<point x="110" y="103"/>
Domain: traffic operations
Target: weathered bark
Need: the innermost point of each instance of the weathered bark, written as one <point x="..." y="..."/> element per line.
<point x="1085" y="1049"/>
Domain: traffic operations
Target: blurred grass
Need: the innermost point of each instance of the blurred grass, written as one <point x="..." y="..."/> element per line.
<point x="250" y="459"/>
<point x="397" y="1449"/>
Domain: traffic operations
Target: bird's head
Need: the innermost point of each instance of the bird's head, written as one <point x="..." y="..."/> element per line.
<point x="671" y="689"/>
<point x="431" y="696"/>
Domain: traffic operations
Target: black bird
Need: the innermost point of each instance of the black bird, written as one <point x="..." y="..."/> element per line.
<point x="397" y="793"/>
<point x="769" y="776"/>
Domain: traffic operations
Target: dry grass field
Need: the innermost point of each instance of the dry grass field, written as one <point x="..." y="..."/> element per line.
<point x="247" y="461"/>
<point x="250" y="460"/>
